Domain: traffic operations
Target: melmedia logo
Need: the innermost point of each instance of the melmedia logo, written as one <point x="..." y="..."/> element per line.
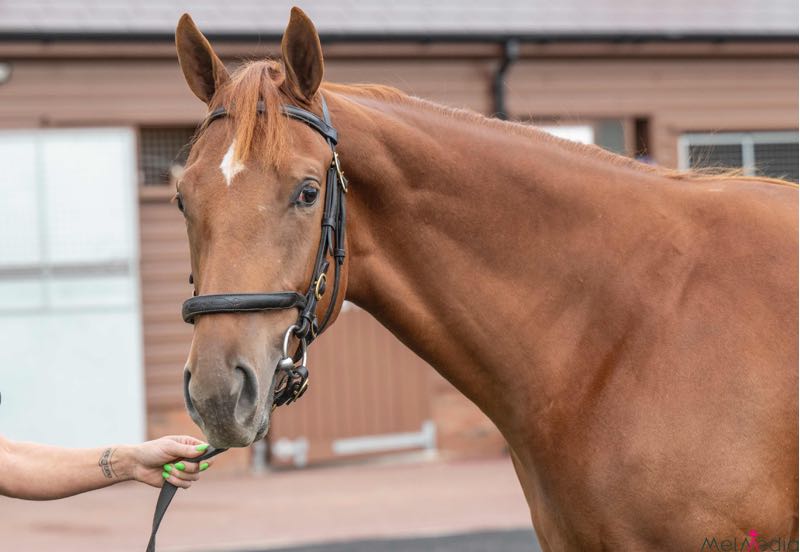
<point x="751" y="543"/>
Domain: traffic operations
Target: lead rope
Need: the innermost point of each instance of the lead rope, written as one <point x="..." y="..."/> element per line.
<point x="168" y="491"/>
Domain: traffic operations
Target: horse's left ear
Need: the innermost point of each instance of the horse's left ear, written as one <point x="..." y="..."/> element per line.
<point x="302" y="56"/>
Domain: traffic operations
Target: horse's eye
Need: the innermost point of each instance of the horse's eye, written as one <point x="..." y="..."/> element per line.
<point x="179" y="201"/>
<point x="308" y="196"/>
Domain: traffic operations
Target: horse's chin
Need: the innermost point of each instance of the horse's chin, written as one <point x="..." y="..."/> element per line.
<point x="263" y="427"/>
<point x="244" y="438"/>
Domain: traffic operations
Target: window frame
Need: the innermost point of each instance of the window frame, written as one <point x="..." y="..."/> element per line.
<point x="747" y="141"/>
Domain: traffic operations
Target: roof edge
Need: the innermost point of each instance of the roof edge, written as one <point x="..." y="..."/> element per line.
<point x="460" y="37"/>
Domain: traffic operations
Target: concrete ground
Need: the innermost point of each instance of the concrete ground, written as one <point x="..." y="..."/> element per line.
<point x="364" y="502"/>
<point x="510" y="540"/>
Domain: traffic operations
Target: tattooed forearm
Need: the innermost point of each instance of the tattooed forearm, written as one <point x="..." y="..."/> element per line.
<point x="105" y="463"/>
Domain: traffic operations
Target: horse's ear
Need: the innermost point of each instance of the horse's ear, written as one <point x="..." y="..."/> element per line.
<point x="203" y="70"/>
<point x="302" y="56"/>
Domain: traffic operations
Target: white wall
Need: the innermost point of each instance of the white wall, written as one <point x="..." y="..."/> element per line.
<point x="583" y="134"/>
<point x="71" y="368"/>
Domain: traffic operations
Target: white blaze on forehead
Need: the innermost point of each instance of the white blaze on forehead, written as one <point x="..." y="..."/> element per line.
<point x="229" y="167"/>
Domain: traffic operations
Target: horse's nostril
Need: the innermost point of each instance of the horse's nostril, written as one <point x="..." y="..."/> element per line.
<point x="187" y="397"/>
<point x="248" y="397"/>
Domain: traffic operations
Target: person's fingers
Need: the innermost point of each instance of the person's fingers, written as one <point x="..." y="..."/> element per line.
<point x="183" y="450"/>
<point x="185" y="439"/>
<point x="177" y="481"/>
<point x="174" y="470"/>
<point x="200" y="466"/>
<point x="188" y="467"/>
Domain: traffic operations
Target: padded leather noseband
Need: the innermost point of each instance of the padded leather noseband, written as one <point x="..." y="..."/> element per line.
<point x="240" y="302"/>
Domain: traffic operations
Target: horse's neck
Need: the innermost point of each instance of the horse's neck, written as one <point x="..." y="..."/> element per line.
<point x="477" y="246"/>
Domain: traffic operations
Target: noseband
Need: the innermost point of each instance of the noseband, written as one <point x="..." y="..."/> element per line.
<point x="332" y="242"/>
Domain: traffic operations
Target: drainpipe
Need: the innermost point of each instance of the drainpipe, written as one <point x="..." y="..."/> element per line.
<point x="510" y="55"/>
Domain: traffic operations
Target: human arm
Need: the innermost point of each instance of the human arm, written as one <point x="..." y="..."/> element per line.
<point x="43" y="472"/>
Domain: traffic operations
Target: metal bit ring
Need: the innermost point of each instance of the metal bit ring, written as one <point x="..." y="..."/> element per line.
<point x="291" y="330"/>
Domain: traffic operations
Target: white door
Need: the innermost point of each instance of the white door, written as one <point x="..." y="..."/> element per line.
<point x="70" y="332"/>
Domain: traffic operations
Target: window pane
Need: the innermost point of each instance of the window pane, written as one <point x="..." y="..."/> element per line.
<point x="20" y="242"/>
<point x="159" y="150"/>
<point x="92" y="291"/>
<point x="583" y="133"/>
<point x="22" y="295"/>
<point x="715" y="156"/>
<point x="610" y="135"/>
<point x="88" y="180"/>
<point x="777" y="160"/>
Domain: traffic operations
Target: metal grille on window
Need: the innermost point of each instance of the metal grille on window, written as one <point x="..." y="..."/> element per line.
<point x="715" y="156"/>
<point x="161" y="149"/>
<point x="759" y="153"/>
<point x="777" y="160"/>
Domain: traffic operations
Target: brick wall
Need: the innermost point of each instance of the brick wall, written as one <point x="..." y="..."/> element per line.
<point x="462" y="429"/>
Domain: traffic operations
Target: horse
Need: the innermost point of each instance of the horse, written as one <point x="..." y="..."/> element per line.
<point x="631" y="330"/>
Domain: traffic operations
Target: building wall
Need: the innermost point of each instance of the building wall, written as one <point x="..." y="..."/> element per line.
<point x="721" y="89"/>
<point x="676" y="95"/>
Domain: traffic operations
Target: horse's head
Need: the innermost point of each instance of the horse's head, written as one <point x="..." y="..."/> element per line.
<point x="253" y="194"/>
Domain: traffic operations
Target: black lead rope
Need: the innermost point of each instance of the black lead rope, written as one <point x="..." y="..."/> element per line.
<point x="168" y="491"/>
<point x="308" y="327"/>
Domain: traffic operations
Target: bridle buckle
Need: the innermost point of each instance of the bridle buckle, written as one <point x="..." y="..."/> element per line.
<point x="339" y="171"/>
<point x="319" y="286"/>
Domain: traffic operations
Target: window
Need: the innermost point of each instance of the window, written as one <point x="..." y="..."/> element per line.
<point x="161" y="149"/>
<point x="609" y="134"/>
<point x="69" y="287"/>
<point x="68" y="226"/>
<point x="577" y="133"/>
<point x="772" y="154"/>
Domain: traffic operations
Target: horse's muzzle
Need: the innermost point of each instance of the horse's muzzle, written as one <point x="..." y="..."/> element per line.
<point x="226" y="404"/>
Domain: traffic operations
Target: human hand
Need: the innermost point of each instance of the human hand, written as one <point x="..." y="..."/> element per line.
<point x="154" y="462"/>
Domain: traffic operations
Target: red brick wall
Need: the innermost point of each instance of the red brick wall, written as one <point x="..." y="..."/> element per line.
<point x="462" y="429"/>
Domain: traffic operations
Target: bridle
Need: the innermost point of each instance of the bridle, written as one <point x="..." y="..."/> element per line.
<point x="307" y="327"/>
<point x="332" y="242"/>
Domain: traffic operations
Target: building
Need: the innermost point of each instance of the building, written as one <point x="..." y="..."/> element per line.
<point x="94" y="112"/>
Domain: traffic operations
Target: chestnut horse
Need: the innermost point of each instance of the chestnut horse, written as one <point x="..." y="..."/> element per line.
<point x="631" y="330"/>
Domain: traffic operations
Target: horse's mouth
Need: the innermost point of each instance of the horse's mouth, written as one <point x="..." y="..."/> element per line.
<point x="269" y="407"/>
<point x="262" y="429"/>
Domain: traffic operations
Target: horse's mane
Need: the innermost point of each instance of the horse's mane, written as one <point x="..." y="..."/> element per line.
<point x="389" y="94"/>
<point x="267" y="133"/>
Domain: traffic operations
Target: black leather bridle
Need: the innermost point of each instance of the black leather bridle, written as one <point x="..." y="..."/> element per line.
<point x="307" y="327"/>
<point x="331" y="242"/>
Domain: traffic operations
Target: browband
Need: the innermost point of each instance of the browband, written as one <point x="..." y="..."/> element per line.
<point x="290" y="111"/>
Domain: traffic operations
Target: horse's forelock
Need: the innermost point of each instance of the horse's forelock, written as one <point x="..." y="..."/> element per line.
<point x="265" y="133"/>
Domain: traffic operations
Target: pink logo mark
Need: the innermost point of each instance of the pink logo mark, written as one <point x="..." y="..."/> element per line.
<point x="752" y="545"/>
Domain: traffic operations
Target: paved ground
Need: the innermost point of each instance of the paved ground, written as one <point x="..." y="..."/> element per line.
<point x="519" y="540"/>
<point x="284" y="509"/>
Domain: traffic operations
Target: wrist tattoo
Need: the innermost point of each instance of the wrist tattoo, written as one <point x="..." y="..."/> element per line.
<point x="105" y="463"/>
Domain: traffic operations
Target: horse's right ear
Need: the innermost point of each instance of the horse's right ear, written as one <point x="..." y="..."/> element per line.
<point x="203" y="70"/>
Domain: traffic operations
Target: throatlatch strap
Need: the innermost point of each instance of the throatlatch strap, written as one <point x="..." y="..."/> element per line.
<point x="166" y="495"/>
